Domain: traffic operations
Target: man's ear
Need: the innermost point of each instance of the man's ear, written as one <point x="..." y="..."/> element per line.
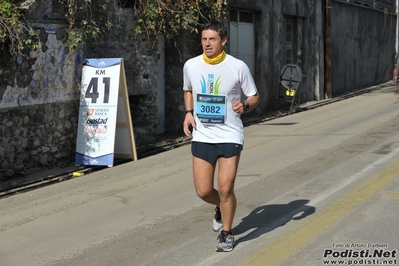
<point x="224" y="41"/>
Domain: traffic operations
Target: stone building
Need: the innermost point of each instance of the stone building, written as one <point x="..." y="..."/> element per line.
<point x="310" y="33"/>
<point x="333" y="42"/>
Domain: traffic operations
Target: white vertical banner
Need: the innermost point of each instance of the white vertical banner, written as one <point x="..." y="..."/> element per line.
<point x="98" y="111"/>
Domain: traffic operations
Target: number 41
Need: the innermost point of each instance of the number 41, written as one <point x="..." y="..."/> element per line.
<point x="92" y="90"/>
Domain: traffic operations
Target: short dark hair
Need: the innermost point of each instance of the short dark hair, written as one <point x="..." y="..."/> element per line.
<point x="217" y="26"/>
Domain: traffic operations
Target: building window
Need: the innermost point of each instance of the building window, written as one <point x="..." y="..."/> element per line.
<point x="241" y="16"/>
<point x="242" y="36"/>
<point x="293" y="40"/>
<point x="289" y="41"/>
<point x="234" y="15"/>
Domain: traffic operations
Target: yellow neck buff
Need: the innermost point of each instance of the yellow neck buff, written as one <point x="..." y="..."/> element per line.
<point x="215" y="60"/>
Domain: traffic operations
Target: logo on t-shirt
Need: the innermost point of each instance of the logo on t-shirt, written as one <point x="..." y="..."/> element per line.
<point x="210" y="86"/>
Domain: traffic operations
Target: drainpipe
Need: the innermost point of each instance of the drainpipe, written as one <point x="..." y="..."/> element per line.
<point x="397" y="30"/>
<point x="327" y="50"/>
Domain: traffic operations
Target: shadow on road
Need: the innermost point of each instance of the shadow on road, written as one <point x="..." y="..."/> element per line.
<point x="269" y="217"/>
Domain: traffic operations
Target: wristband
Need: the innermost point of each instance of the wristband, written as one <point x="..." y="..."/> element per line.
<point x="190" y="111"/>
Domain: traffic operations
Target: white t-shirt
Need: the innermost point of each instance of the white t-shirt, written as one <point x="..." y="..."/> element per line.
<point x="228" y="78"/>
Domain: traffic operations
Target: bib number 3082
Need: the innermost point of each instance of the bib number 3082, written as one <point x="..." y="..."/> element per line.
<point x="92" y="90"/>
<point x="210" y="109"/>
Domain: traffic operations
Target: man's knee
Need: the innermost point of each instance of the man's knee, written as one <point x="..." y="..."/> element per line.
<point x="225" y="193"/>
<point x="204" y="193"/>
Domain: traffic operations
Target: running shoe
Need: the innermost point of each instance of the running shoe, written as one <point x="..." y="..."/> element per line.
<point x="226" y="242"/>
<point x="217" y="224"/>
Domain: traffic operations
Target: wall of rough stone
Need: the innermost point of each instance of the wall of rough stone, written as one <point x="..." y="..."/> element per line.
<point x="39" y="98"/>
<point x="188" y="46"/>
<point x="37" y="137"/>
<point x="39" y="95"/>
<point x="140" y="56"/>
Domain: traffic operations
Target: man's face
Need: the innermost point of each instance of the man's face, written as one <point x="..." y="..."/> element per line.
<point x="212" y="44"/>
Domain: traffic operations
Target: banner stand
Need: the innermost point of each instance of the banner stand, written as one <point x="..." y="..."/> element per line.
<point x="124" y="125"/>
<point x="105" y="129"/>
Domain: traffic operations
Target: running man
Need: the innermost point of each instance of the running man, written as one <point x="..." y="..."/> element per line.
<point x="213" y="84"/>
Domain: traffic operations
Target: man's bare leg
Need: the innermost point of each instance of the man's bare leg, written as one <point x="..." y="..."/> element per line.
<point x="203" y="173"/>
<point x="226" y="178"/>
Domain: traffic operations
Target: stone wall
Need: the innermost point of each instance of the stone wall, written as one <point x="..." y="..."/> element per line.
<point x="37" y="137"/>
<point x="140" y="56"/>
<point x="188" y="46"/>
<point x="39" y="95"/>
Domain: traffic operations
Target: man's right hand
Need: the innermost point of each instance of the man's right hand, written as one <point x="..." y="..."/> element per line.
<point x="188" y="124"/>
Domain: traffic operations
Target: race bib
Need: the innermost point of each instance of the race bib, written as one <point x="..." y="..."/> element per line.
<point x="211" y="109"/>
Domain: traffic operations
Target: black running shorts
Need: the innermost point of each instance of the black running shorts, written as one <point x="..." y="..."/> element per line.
<point x="211" y="151"/>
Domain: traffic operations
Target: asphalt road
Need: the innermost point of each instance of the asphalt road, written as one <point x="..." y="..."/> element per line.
<point x="313" y="187"/>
